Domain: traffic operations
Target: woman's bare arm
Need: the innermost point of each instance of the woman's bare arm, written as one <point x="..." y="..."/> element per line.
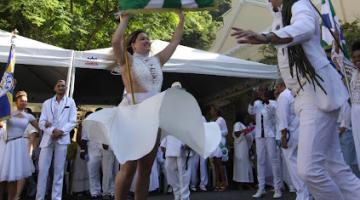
<point x="118" y="41"/>
<point x="166" y="53"/>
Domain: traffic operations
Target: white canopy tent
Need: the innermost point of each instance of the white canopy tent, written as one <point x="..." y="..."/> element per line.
<point x="185" y="60"/>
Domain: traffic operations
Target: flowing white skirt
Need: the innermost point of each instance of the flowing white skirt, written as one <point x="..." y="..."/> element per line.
<point x="15" y="162"/>
<point x="131" y="130"/>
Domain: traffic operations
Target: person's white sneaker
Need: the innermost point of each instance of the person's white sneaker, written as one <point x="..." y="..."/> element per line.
<point x="260" y="193"/>
<point x="277" y="194"/>
<point x="193" y="188"/>
<point x="203" y="188"/>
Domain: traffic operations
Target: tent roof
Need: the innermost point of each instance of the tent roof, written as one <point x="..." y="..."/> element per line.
<point x="33" y="52"/>
<point x="185" y="60"/>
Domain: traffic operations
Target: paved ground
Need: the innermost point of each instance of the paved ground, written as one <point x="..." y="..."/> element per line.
<point x="227" y="195"/>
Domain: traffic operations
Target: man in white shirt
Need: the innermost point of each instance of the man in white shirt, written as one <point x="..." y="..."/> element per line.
<point x="319" y="93"/>
<point x="264" y="111"/>
<point x="177" y="166"/>
<point x="288" y="127"/>
<point x="58" y="118"/>
<point x="100" y="156"/>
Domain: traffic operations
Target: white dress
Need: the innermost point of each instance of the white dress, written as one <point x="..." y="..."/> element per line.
<point x="242" y="166"/>
<point x="220" y="121"/>
<point x="15" y="162"/>
<point x="131" y="130"/>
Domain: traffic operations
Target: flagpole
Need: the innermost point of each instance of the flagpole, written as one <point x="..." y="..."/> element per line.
<point x="128" y="68"/>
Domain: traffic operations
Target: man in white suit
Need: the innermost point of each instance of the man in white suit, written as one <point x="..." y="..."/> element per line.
<point x="319" y="93"/>
<point x="288" y="128"/>
<point x="58" y="118"/>
<point x="264" y="111"/>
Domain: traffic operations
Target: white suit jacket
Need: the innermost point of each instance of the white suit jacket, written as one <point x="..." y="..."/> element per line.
<point x="65" y="120"/>
<point x="304" y="29"/>
<point x="268" y="113"/>
<point x="285" y="113"/>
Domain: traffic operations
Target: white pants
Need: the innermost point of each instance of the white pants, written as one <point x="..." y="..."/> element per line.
<point x="290" y="155"/>
<point x="267" y="147"/>
<point x="104" y="159"/>
<point x="320" y="161"/>
<point x="355" y="116"/>
<point x="46" y="156"/>
<point x="178" y="177"/>
<point x="195" y="160"/>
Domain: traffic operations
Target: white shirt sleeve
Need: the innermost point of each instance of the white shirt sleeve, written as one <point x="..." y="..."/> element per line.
<point x="283" y="112"/>
<point x="302" y="26"/>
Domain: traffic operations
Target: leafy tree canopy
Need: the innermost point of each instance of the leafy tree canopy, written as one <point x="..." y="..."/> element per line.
<point x="88" y="24"/>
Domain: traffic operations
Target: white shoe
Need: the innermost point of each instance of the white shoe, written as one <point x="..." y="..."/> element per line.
<point x="203" y="188"/>
<point x="193" y="188"/>
<point x="260" y="193"/>
<point x="277" y="194"/>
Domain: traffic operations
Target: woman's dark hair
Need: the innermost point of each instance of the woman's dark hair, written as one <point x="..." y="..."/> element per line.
<point x="355" y="46"/>
<point x="132" y="39"/>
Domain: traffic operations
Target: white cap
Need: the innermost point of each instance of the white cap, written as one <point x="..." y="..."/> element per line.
<point x="176" y="84"/>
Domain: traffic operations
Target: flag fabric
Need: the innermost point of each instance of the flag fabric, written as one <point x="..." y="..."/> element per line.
<point x="147" y="5"/>
<point x="332" y="22"/>
<point x="7" y="85"/>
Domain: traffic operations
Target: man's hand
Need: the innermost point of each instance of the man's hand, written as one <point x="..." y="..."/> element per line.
<point x="57" y="134"/>
<point x="47" y="124"/>
<point x="248" y="37"/>
<point x="284" y="143"/>
<point x="342" y="130"/>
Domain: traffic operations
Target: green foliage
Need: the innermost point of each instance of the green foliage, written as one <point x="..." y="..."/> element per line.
<point x="269" y="53"/>
<point x="88" y="24"/>
<point x="351" y="32"/>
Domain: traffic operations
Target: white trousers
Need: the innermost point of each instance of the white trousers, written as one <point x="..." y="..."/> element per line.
<point x="320" y="161"/>
<point x="178" y="177"/>
<point x="46" y="156"/>
<point x="197" y="160"/>
<point x="267" y="147"/>
<point x="290" y="157"/>
<point x="100" y="158"/>
<point x="355" y="116"/>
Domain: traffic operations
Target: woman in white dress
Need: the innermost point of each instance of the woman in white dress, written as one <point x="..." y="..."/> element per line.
<point x="218" y="154"/>
<point x="15" y="162"/>
<point x="242" y="166"/>
<point x="146" y="82"/>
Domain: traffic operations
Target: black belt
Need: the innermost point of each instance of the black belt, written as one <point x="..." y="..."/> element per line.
<point x="15" y="138"/>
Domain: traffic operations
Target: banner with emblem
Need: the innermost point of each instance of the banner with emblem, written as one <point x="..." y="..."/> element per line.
<point x="7" y="85"/>
<point x="331" y="22"/>
<point x="149" y="5"/>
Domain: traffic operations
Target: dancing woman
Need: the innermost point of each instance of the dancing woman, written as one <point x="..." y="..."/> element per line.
<point x="145" y="81"/>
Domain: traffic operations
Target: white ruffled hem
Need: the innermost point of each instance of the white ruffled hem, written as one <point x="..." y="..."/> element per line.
<point x="15" y="162"/>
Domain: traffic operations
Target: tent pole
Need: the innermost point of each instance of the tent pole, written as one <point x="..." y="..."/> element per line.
<point x="68" y="78"/>
<point x="72" y="82"/>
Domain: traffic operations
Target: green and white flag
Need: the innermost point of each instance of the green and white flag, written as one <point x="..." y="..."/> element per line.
<point x="145" y="5"/>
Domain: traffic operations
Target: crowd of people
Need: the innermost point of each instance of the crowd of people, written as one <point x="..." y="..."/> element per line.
<point x="304" y="132"/>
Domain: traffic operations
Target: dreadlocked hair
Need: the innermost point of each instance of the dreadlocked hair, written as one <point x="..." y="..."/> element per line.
<point x="297" y="57"/>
